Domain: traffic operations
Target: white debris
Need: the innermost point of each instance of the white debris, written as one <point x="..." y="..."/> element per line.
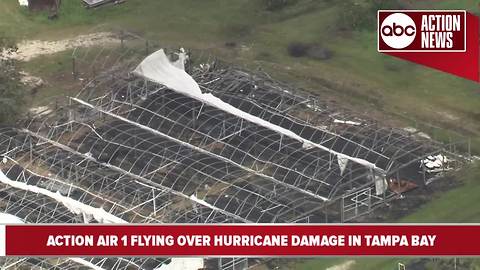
<point x="183" y="264"/>
<point x="423" y="135"/>
<point x="381" y="185"/>
<point x="313" y="107"/>
<point x="30" y="80"/>
<point x="342" y="163"/>
<point x="416" y="132"/>
<point x="23" y="3"/>
<point x="157" y="67"/>
<point x="410" y="129"/>
<point x="435" y="163"/>
<point x="10" y="219"/>
<point x="202" y="202"/>
<point x="40" y="111"/>
<point x="346" y="122"/>
<point x="182" y="59"/>
<point x="74" y="206"/>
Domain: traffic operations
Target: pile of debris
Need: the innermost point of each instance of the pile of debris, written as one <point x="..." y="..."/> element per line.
<point x="97" y="3"/>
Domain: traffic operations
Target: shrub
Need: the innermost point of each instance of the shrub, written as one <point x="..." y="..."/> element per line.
<point x="314" y="51"/>
<point x="298" y="49"/>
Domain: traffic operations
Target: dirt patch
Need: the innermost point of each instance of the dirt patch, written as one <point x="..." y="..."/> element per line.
<point x="447" y="116"/>
<point x="28" y="49"/>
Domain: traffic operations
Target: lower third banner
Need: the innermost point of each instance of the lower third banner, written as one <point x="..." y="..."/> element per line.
<point x="239" y="240"/>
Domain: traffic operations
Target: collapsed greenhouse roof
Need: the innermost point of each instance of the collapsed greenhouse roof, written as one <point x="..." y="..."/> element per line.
<point x="214" y="145"/>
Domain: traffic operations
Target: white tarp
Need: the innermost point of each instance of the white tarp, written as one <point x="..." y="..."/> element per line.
<point x="381" y="185"/>
<point x="342" y="163"/>
<point x="6" y="218"/>
<point x="74" y="206"/>
<point x="158" y="68"/>
<point x="182" y="59"/>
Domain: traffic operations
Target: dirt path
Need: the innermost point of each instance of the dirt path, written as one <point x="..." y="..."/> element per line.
<point x="30" y="49"/>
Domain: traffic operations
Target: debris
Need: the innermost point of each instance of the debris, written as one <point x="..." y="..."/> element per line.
<point x="23" y="3"/>
<point x="40" y="111"/>
<point x="98" y="3"/>
<point x="435" y="163"/>
<point x="347" y="122"/>
<point x="74" y="206"/>
<point x="30" y="80"/>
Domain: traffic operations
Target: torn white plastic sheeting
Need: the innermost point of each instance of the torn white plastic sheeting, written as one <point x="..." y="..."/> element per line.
<point x="6" y="218"/>
<point x="435" y="162"/>
<point x="381" y="185"/>
<point x="74" y="206"/>
<point x="182" y="59"/>
<point x="346" y="122"/>
<point x="23" y="3"/>
<point x="342" y="163"/>
<point x="40" y="111"/>
<point x="183" y="263"/>
<point x="158" y="68"/>
<point x="416" y="132"/>
<point x="204" y="203"/>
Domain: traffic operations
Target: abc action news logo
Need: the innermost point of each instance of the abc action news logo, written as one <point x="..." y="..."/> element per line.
<point x="421" y="31"/>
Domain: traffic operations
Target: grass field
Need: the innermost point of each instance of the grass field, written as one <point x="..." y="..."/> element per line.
<point x="356" y="70"/>
<point x="357" y="76"/>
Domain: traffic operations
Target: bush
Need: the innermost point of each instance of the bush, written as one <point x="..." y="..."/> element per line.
<point x="314" y="51"/>
<point x="297" y="49"/>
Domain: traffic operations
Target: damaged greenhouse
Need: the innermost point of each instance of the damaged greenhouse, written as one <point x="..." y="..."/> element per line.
<point x="170" y="141"/>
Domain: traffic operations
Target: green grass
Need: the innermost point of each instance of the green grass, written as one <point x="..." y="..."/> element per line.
<point x="458" y="205"/>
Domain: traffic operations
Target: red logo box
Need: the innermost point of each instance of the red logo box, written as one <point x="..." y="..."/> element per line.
<point x="421" y="30"/>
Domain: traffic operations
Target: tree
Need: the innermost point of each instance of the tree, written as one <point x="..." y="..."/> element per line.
<point x="12" y="91"/>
